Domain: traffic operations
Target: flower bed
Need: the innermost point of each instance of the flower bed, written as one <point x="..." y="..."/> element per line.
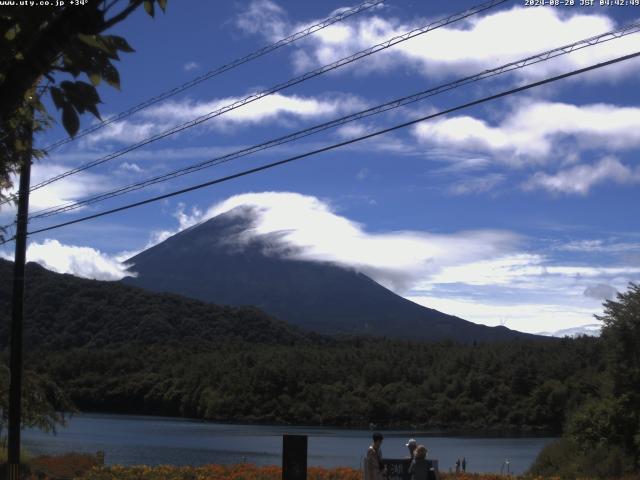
<point x="83" y="467"/>
<point x="213" y="472"/>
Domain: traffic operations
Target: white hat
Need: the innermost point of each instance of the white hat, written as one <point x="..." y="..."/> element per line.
<point x="412" y="442"/>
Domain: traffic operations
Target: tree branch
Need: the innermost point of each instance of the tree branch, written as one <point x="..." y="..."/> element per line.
<point x="122" y="15"/>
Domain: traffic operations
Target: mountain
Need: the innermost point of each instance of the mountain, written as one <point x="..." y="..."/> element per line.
<point x="64" y="312"/>
<point x="591" y="330"/>
<point x="221" y="261"/>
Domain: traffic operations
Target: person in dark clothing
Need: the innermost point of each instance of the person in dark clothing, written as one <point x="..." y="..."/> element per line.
<point x="419" y="468"/>
<point x="464" y="464"/>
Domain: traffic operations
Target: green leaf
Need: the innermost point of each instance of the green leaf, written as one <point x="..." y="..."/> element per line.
<point x="87" y="92"/>
<point x="12" y="32"/>
<point x="95" y="41"/>
<point x="120" y="43"/>
<point x="37" y="104"/>
<point x="70" y="120"/>
<point x="38" y="154"/>
<point x="94" y="111"/>
<point x="82" y="95"/>
<point x="148" y="6"/>
<point x="58" y="97"/>
<point x="95" y="78"/>
<point x="111" y="75"/>
<point x="163" y="5"/>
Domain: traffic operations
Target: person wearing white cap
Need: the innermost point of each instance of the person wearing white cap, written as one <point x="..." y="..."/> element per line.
<point x="411" y="445"/>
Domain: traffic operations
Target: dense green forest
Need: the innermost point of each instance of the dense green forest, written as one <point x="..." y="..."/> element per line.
<point x="345" y="382"/>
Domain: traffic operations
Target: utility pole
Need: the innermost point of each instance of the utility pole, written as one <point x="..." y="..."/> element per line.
<point x="17" y="304"/>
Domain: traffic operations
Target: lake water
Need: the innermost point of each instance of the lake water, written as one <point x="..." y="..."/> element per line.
<point x="133" y="440"/>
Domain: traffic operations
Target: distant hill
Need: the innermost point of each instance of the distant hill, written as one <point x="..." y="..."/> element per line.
<point x="217" y="262"/>
<point x="63" y="312"/>
<point x="591" y="330"/>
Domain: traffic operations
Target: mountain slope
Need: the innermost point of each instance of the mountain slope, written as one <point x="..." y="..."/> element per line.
<point x="218" y="262"/>
<point x="63" y="312"/>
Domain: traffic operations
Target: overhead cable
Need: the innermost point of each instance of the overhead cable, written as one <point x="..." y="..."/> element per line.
<point x="294" y="81"/>
<point x="396" y="103"/>
<point x="219" y="70"/>
<point x="341" y="144"/>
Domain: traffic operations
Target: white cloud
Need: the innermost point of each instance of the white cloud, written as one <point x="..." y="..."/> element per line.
<point x="189" y="66"/>
<point x="475" y="44"/>
<point x="352" y="130"/>
<point x="263" y="17"/>
<point x="363" y="174"/>
<point x="396" y="259"/>
<point x="85" y="262"/>
<point x="526" y="317"/>
<point x="185" y="220"/>
<point x="478" y="184"/>
<point x="125" y="131"/>
<point x="598" y="245"/>
<point x="68" y="189"/>
<point x="266" y="108"/>
<point x="534" y="130"/>
<point x="527" y="272"/>
<point x="504" y="270"/>
<point x="601" y="291"/>
<point x="130" y="167"/>
<point x="277" y="107"/>
<point x="581" y="178"/>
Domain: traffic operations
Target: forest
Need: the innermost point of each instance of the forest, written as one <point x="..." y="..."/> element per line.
<point x="348" y="382"/>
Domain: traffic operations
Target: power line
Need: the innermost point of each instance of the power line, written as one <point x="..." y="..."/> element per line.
<point x="217" y="71"/>
<point x="342" y="144"/>
<point x="541" y="57"/>
<point x="256" y="96"/>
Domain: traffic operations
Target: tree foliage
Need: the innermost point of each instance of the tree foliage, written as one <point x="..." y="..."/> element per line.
<point x="44" y="403"/>
<point x="602" y="437"/>
<point x="349" y="382"/>
<point x="621" y="335"/>
<point x="51" y="48"/>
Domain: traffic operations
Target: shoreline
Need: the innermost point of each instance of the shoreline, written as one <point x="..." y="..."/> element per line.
<point x="391" y="430"/>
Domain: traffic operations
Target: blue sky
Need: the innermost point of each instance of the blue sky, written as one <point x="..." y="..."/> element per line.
<point x="518" y="212"/>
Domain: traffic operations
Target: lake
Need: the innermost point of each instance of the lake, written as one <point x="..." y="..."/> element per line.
<point x="133" y="440"/>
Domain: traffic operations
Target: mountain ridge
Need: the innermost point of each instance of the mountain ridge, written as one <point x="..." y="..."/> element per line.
<point x="223" y="261"/>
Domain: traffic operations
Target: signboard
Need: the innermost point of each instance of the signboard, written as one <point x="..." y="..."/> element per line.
<point x="294" y="457"/>
<point x="398" y="469"/>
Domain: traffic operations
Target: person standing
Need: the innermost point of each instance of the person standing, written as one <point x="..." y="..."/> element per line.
<point x="412" y="445"/>
<point x="458" y="465"/>
<point x="373" y="466"/>
<point x="464" y="464"/>
<point x="419" y="468"/>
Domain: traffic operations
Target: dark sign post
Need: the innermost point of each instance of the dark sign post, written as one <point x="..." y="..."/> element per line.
<point x="294" y="457"/>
